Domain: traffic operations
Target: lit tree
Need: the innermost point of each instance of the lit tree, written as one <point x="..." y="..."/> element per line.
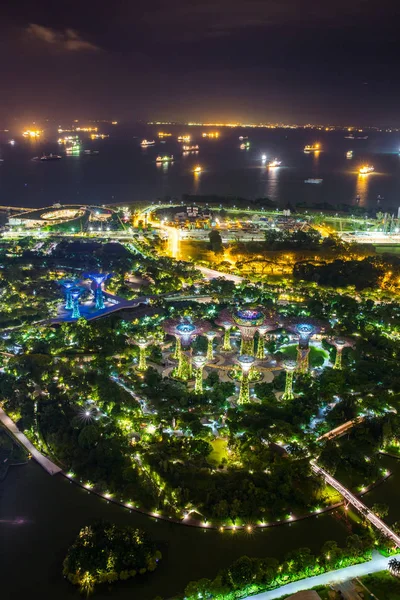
<point x="305" y="328"/>
<point x="199" y="361"/>
<point x="248" y="320"/>
<point x="246" y="362"/>
<point x="184" y="330"/>
<point x="76" y="293"/>
<point x="227" y="325"/>
<point x="290" y="367"/>
<point x="210" y="335"/>
<point x="340" y="344"/>
<point x="68" y="284"/>
<point x="142" y="343"/>
<point x="261" y="341"/>
<point x="98" y="280"/>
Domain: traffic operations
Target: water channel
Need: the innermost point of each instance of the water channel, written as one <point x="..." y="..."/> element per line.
<point x="40" y="516"/>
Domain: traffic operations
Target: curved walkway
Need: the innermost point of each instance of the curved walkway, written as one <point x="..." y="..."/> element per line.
<point x="377" y="563"/>
<point x="47" y="464"/>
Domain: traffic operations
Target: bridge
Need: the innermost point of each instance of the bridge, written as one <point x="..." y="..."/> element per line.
<point x="354" y="501"/>
<point x="43" y="461"/>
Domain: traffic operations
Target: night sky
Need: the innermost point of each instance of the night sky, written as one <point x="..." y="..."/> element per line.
<point x="217" y="60"/>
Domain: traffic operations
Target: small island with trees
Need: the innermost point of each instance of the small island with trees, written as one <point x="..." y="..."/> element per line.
<point x="106" y="553"/>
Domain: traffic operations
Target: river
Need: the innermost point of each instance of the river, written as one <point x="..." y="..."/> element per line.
<point x="51" y="510"/>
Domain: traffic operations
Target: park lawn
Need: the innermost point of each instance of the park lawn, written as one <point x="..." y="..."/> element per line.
<point x="314" y="357"/>
<point x="383" y="585"/>
<point x="219" y="451"/>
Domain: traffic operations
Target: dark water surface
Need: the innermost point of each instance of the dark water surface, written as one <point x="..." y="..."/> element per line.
<point x="50" y="511"/>
<point x="53" y="510"/>
<point x="125" y="172"/>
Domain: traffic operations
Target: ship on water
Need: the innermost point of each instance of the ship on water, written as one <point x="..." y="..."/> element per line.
<point x="366" y="169"/>
<point x="165" y="159"/>
<point x="245" y="146"/>
<point x="274" y="163"/>
<point x="312" y="180"/>
<point x="145" y="143"/>
<point x="91" y="152"/>
<point x="194" y="148"/>
<point x="349" y="154"/>
<point x="312" y="148"/>
<point x="48" y="157"/>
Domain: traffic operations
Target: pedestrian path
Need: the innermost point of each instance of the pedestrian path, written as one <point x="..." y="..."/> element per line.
<point x="47" y="464"/>
<point x="377" y="563"/>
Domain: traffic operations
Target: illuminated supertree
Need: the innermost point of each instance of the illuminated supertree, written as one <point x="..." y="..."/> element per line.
<point x="210" y="335"/>
<point x="290" y="366"/>
<point x="248" y="320"/>
<point x="261" y="341"/>
<point x="142" y="343"/>
<point x="76" y="293"/>
<point x="184" y="330"/>
<point x="246" y="362"/>
<point x="98" y="280"/>
<point x="199" y="361"/>
<point x="340" y="344"/>
<point x="227" y="325"/>
<point x="305" y="328"/>
<point x="67" y="284"/>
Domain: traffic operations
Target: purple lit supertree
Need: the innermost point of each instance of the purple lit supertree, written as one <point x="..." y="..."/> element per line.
<point x="98" y="279"/>
<point x="305" y="328"/>
<point x="68" y="284"/>
<point x="249" y="320"/>
<point x="340" y="343"/>
<point x="184" y="330"/>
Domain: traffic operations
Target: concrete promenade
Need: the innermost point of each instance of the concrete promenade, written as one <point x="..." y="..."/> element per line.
<point x="47" y="464"/>
<point x="377" y="563"/>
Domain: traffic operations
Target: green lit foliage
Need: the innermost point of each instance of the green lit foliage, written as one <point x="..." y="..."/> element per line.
<point x="105" y="553"/>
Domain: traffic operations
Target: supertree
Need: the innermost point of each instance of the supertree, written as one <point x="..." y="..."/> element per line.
<point x="199" y="361"/>
<point x="248" y="320"/>
<point x="67" y="284"/>
<point x="340" y="343"/>
<point x="210" y="335"/>
<point x="227" y="325"/>
<point x="261" y="341"/>
<point x="76" y="293"/>
<point x="246" y="362"/>
<point x="305" y="328"/>
<point x="184" y="330"/>
<point x="290" y="367"/>
<point x="98" y="279"/>
<point x="142" y="342"/>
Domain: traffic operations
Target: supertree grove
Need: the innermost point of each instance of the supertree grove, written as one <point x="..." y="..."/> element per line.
<point x="184" y="330"/>
<point x="76" y="293"/>
<point x="142" y="342"/>
<point x="199" y="361"/>
<point x="340" y="344"/>
<point x="305" y="328"/>
<point x="246" y="362"/>
<point x="227" y="326"/>
<point x="68" y="284"/>
<point x="98" y="279"/>
<point x="210" y="335"/>
<point x="248" y="320"/>
<point x="290" y="367"/>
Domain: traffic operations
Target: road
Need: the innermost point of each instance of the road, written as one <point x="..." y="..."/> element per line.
<point x="378" y="563"/>
<point x="47" y="464"/>
<point x="213" y="274"/>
